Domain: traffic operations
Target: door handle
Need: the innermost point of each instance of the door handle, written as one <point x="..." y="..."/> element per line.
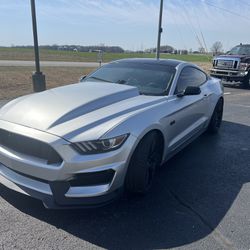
<point x="205" y="96"/>
<point x="172" y="122"/>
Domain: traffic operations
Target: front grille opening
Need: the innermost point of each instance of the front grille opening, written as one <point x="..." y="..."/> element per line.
<point x="235" y="64"/>
<point x="222" y="73"/>
<point x="226" y="64"/>
<point x="29" y="146"/>
<point x="93" y="178"/>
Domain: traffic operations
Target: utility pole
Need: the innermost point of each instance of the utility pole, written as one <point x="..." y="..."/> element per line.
<point x="38" y="78"/>
<point x="159" y="32"/>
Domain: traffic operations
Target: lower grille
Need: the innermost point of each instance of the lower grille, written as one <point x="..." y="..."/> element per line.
<point x="92" y="179"/>
<point x="225" y="73"/>
<point x="29" y="146"/>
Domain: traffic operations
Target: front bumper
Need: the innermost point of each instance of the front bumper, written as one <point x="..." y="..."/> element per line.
<point x="228" y="75"/>
<point x="55" y="184"/>
<point x="54" y="194"/>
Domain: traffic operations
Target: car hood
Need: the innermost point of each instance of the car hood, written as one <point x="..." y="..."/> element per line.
<point x="231" y="56"/>
<point x="74" y="109"/>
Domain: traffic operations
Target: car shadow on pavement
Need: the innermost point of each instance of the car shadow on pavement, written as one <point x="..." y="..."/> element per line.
<point x="190" y="197"/>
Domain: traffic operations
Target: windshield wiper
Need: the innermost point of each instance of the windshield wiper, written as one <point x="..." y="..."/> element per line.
<point x="97" y="78"/>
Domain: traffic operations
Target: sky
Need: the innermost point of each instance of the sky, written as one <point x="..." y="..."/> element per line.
<point x="131" y="24"/>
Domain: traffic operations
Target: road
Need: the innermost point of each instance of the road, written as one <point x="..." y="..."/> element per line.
<point x="200" y="200"/>
<point x="48" y="64"/>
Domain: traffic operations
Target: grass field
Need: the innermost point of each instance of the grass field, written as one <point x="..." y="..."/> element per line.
<point x="56" y="55"/>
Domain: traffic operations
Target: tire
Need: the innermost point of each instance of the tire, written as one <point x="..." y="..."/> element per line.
<point x="245" y="82"/>
<point x="216" y="118"/>
<point x="143" y="164"/>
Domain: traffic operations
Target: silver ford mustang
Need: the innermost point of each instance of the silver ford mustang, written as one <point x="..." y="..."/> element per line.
<point x="83" y="144"/>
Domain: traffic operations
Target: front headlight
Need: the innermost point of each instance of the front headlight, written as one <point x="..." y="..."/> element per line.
<point x="243" y="66"/>
<point x="99" y="146"/>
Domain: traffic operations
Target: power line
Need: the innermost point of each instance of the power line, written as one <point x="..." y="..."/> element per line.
<point x="226" y="10"/>
<point x="192" y="27"/>
<point x="189" y="24"/>
<point x="202" y="36"/>
<point x="179" y="32"/>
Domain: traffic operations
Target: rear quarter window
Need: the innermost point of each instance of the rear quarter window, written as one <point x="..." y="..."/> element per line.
<point x="190" y="76"/>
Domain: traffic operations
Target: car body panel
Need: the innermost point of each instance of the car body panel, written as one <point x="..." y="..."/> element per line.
<point x="90" y="111"/>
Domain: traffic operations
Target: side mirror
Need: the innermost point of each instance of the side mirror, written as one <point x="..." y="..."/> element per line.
<point x="82" y="78"/>
<point x="190" y="90"/>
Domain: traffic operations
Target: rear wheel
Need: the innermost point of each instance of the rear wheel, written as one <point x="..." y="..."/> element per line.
<point x="216" y="118"/>
<point x="143" y="164"/>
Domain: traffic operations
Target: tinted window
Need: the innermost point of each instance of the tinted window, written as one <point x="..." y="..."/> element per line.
<point x="240" y="50"/>
<point x="150" y="79"/>
<point x="190" y="77"/>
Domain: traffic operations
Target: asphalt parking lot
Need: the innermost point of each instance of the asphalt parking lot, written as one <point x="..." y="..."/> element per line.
<point x="200" y="200"/>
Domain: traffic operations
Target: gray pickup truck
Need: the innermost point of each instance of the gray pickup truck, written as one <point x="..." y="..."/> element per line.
<point x="234" y="66"/>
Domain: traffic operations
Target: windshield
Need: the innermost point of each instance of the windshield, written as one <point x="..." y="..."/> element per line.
<point x="150" y="79"/>
<point x="240" y="50"/>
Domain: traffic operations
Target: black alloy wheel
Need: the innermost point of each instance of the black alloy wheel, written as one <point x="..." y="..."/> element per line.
<point x="216" y="118"/>
<point x="143" y="164"/>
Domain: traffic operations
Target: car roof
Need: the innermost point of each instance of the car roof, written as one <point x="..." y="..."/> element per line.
<point x="243" y="45"/>
<point x="168" y="62"/>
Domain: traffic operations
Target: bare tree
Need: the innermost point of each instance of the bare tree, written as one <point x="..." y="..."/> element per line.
<point x="201" y="50"/>
<point x="217" y="47"/>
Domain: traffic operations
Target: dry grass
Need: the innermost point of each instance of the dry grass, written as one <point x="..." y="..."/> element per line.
<point x="16" y="81"/>
<point x="204" y="65"/>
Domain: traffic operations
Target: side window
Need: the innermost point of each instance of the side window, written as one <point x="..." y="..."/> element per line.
<point x="190" y="76"/>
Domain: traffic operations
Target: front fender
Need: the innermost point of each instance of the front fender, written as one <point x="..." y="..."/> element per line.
<point x="138" y="126"/>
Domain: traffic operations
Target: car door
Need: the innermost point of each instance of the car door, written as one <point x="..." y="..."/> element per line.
<point x="189" y="114"/>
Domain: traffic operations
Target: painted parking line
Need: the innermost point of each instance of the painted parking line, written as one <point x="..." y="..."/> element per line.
<point x="240" y="105"/>
<point x="227" y="93"/>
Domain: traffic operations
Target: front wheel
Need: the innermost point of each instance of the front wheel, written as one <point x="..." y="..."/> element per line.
<point x="216" y="118"/>
<point x="143" y="164"/>
<point x="245" y="82"/>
